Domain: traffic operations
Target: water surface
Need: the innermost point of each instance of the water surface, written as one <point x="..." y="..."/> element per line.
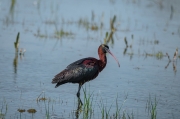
<point x="149" y="27"/>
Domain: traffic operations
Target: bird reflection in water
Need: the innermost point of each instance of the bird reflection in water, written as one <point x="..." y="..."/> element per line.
<point x="79" y="109"/>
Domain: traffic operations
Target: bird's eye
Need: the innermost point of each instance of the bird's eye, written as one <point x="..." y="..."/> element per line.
<point x="106" y="46"/>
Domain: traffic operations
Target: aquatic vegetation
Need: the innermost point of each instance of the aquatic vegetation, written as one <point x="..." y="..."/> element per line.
<point x="109" y="36"/>
<point x="31" y="111"/>
<point x="94" y="27"/>
<point x="41" y="35"/>
<point x="125" y="40"/>
<point x="87" y="24"/>
<point x="168" y="57"/>
<point x="13" y="2"/>
<point x="57" y="34"/>
<point x="131" y="54"/>
<point x="87" y="106"/>
<point x="47" y="110"/>
<point x="104" y="110"/>
<point x="151" y="107"/>
<point x="43" y="98"/>
<point x="62" y="33"/>
<point x="118" y="113"/>
<point x="159" y="55"/>
<point x="175" y="54"/>
<point x="84" y="22"/>
<point x="10" y="17"/>
<point x="86" y="109"/>
<point x="16" y="44"/>
<point x="21" y="110"/>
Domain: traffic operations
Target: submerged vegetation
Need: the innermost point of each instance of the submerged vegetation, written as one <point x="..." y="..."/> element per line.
<point x="62" y="33"/>
<point x="58" y="34"/>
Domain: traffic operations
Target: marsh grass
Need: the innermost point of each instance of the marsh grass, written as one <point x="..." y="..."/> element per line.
<point x="47" y="109"/>
<point x="61" y="33"/>
<point x="85" y="110"/>
<point x="109" y="36"/>
<point x="118" y="108"/>
<point x="85" y="23"/>
<point x="58" y="34"/>
<point x="42" y="98"/>
<point x="87" y="105"/>
<point x="16" y="43"/>
<point x="151" y="107"/>
<point x="114" y="112"/>
<point x="105" y="110"/>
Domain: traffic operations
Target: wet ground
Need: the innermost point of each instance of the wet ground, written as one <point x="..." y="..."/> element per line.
<point x="57" y="33"/>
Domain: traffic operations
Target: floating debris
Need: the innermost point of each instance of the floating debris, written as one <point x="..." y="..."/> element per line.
<point x="31" y="111"/>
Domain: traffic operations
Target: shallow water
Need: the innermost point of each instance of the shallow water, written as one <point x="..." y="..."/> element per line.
<point x="149" y="26"/>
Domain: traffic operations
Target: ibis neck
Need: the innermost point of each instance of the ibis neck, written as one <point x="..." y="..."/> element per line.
<point x="102" y="61"/>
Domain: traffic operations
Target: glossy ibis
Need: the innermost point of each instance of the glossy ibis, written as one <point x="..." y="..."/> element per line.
<point x="83" y="70"/>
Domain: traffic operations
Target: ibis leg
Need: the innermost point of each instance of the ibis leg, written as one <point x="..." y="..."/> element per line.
<point x="78" y="94"/>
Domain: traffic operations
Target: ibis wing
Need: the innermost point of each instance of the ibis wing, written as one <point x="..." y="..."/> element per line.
<point x="78" y="62"/>
<point x="78" y="72"/>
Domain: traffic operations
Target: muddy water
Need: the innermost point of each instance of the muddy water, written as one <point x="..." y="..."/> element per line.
<point x="149" y="27"/>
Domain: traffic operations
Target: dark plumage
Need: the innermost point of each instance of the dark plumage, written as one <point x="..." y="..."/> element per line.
<point x="83" y="70"/>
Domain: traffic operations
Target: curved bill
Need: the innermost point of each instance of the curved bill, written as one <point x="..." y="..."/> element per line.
<point x="112" y="55"/>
